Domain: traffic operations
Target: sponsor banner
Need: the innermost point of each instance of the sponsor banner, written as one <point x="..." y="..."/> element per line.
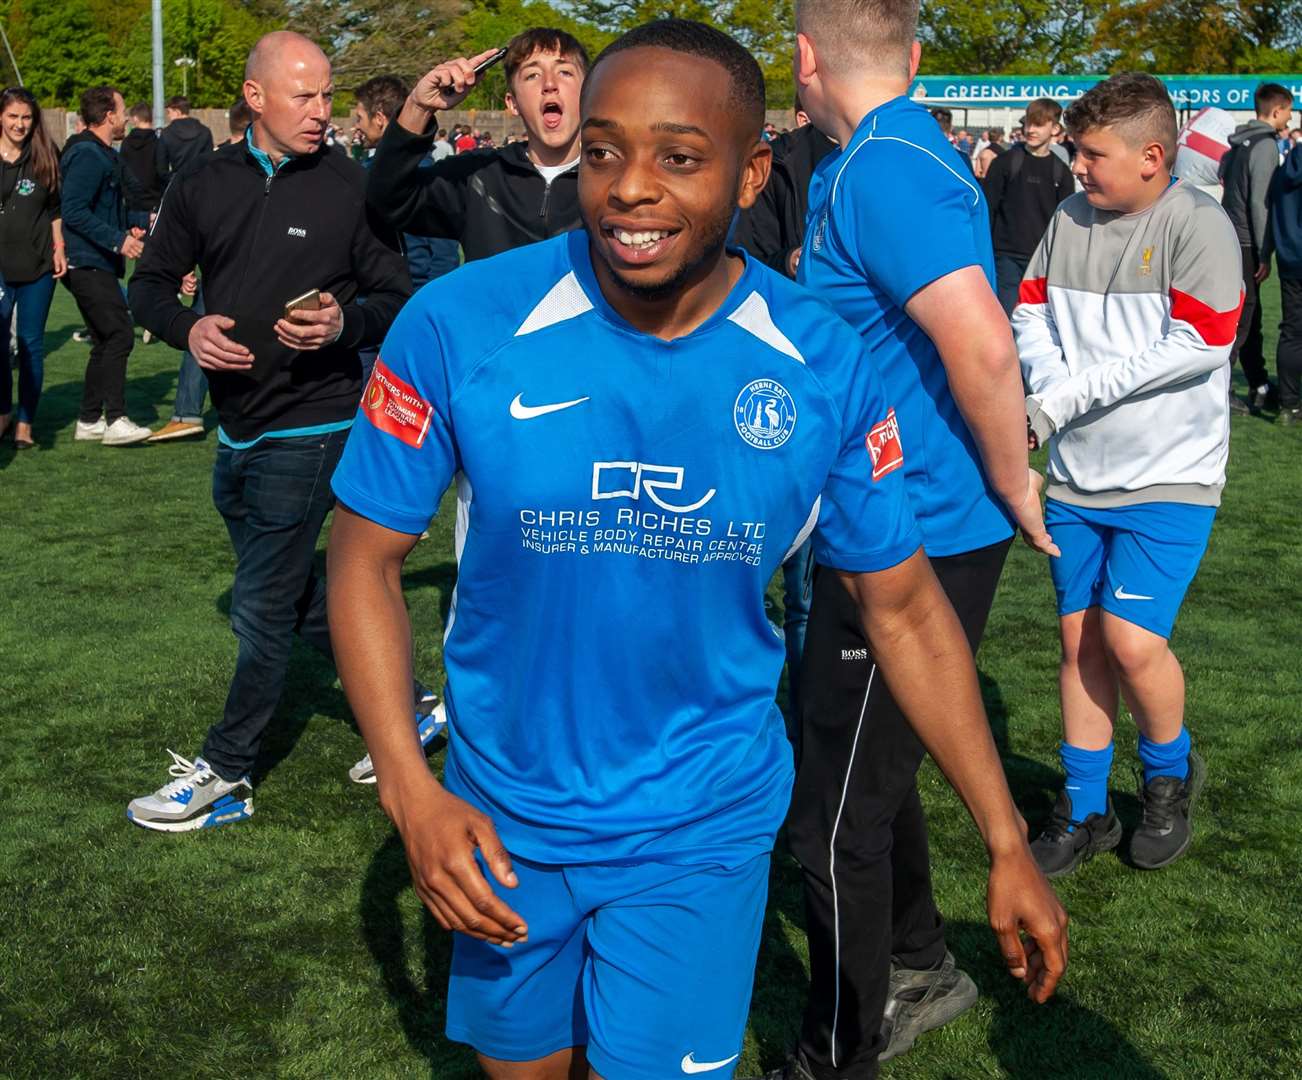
<point x="884" y="446"/>
<point x="1187" y="91"/>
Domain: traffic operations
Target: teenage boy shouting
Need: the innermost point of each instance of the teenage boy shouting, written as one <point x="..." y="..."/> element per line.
<point x="489" y="200"/>
<point x="1023" y="188"/>
<point x="1124" y="329"/>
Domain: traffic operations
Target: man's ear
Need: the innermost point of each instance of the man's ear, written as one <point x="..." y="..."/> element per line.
<point x="755" y="175"/>
<point x="253" y="96"/>
<point x="511" y="106"/>
<point x="805" y="66"/>
<point x="915" y="58"/>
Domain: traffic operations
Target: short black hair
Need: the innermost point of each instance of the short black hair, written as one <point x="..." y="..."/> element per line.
<point x="382" y="94"/>
<point x="1135" y="104"/>
<point x="698" y="39"/>
<point x="141" y="113"/>
<point x="97" y="103"/>
<point x="180" y="104"/>
<point x="240" y="116"/>
<point x="1271" y="96"/>
<point x="545" y="40"/>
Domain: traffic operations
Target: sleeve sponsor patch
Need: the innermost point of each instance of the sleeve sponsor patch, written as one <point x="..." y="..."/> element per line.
<point x="884" y="446"/>
<point x="393" y="406"/>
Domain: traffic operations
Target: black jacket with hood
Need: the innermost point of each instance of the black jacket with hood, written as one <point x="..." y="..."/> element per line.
<point x="184" y="140"/>
<point x="1246" y="170"/>
<point x="489" y="201"/>
<point x="140" y="154"/>
<point x="260" y="241"/>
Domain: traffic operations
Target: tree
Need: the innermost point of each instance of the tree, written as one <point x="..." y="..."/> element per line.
<point x="1009" y="36"/>
<point x="1202" y="36"/>
<point x="61" y="49"/>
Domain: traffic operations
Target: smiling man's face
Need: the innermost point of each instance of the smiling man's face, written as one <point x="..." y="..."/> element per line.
<point x="665" y="163"/>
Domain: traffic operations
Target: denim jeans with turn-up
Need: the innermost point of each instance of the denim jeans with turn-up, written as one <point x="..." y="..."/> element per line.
<point x="274" y="497"/>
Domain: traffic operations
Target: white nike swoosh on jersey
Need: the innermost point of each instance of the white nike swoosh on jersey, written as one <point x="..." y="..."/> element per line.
<point x="1121" y="594"/>
<point x="691" y="1065"/>
<point x="521" y="411"/>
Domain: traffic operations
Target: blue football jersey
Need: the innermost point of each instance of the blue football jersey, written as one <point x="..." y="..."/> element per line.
<point x="893" y="211"/>
<point x="625" y="501"/>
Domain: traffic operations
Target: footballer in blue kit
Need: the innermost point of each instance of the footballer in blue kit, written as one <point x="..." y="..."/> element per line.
<point x="641" y="425"/>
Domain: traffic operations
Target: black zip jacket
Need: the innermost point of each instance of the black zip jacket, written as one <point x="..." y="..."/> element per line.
<point x="489" y="201"/>
<point x="27" y="210"/>
<point x="183" y="141"/>
<point x="258" y="242"/>
<point x="775" y="225"/>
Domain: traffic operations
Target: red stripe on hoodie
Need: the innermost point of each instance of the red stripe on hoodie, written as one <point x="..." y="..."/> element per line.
<point x="1214" y="327"/>
<point x="1034" y="291"/>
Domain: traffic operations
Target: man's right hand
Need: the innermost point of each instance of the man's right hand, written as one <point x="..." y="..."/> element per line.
<point x="213" y="350"/>
<point x="132" y="246"/>
<point x="443" y="88"/>
<point x="1030" y="517"/>
<point x="441" y="834"/>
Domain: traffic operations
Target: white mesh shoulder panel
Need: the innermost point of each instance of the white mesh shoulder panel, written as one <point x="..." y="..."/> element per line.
<point x="752" y="315"/>
<point x="565" y="300"/>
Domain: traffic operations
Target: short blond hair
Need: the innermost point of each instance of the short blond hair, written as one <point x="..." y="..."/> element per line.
<point x="863" y="34"/>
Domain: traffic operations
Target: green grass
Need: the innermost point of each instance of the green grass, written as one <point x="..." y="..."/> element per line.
<point x="292" y="946"/>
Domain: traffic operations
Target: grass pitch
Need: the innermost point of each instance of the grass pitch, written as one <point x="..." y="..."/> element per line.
<point x="293" y="946"/>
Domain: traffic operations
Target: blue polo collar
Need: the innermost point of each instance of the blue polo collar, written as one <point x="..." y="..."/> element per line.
<point x="261" y="156"/>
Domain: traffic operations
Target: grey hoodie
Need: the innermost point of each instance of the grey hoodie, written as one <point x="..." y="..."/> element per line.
<point x="1246" y="171"/>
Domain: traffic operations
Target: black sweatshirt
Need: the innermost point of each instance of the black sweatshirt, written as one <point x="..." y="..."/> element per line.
<point x="27" y="211"/>
<point x="1023" y="192"/>
<point x="489" y="200"/>
<point x="258" y="242"/>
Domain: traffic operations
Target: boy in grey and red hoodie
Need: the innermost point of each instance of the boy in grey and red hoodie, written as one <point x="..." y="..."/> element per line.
<point x="1124" y="327"/>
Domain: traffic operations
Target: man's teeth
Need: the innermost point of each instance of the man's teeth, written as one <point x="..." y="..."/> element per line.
<point x="640" y="239"/>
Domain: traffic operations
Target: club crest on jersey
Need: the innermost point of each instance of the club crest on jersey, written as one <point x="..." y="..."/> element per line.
<point x="820" y="232"/>
<point x="884" y="446"/>
<point x="25" y="186"/>
<point x="393" y="406"/>
<point x="765" y="414"/>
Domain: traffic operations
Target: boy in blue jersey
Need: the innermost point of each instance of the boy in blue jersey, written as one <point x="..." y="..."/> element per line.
<point x="898" y="242"/>
<point x="650" y="426"/>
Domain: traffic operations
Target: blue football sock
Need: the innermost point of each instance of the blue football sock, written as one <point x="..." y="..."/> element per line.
<point x="1087" y="779"/>
<point x="1167" y="758"/>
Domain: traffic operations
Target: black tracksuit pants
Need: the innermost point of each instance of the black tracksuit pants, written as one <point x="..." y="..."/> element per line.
<point x="1288" y="358"/>
<point x="856" y="824"/>
<point x="101" y="303"/>
<point x="1248" y="342"/>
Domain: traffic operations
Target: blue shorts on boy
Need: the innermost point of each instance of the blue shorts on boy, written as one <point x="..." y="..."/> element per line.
<point x="1135" y="562"/>
<point x="611" y="668"/>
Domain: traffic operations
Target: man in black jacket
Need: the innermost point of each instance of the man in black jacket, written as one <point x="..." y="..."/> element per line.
<point x="489" y="200"/>
<point x="266" y="222"/>
<point x="182" y="141"/>
<point x="139" y="153"/>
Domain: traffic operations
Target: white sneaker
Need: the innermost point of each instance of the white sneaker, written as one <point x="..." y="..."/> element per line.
<point x="431" y="720"/>
<point x="124" y="432"/>
<point x="90" y="432"/>
<point x="197" y="798"/>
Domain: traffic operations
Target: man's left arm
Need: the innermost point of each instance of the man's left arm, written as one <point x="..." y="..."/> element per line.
<point x="1262" y="166"/>
<point x="382" y="277"/>
<point x="922" y="653"/>
<point x="1205" y="301"/>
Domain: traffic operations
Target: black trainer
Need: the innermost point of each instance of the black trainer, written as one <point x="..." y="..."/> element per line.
<point x="1166" y="830"/>
<point x="1065" y="844"/>
<point x="921" y="1001"/>
<point x="796" y="1067"/>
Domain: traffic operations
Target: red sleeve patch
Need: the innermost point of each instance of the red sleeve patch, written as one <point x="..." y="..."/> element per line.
<point x="393" y="406"/>
<point x="1214" y="327"/>
<point x="884" y="446"/>
<point x="1033" y="291"/>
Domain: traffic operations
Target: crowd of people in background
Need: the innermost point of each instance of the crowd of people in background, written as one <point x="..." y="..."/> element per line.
<point x="861" y="204"/>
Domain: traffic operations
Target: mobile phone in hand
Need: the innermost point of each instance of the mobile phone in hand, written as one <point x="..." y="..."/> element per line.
<point x="309" y="301"/>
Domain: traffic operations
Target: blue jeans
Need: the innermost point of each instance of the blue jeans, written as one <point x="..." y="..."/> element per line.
<point x="274" y="498"/>
<point x="32" y="305"/>
<point x="797" y="587"/>
<point x="191" y="382"/>
<point x="1008" y="279"/>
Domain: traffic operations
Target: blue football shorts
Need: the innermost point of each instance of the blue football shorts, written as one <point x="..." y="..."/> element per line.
<point x="1135" y="562"/>
<point x="648" y="965"/>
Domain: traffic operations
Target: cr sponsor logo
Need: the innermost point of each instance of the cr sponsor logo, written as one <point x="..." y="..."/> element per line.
<point x="633" y="479"/>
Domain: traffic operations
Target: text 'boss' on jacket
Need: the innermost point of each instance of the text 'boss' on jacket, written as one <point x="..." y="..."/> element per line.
<point x="260" y="241"/>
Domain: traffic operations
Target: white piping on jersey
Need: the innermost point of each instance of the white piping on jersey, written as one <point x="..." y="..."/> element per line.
<point x="752" y="315"/>
<point x="465" y="496"/>
<point x="831" y="864"/>
<point x="805" y="529"/>
<point x="564" y="300"/>
<point x="874" y="137"/>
